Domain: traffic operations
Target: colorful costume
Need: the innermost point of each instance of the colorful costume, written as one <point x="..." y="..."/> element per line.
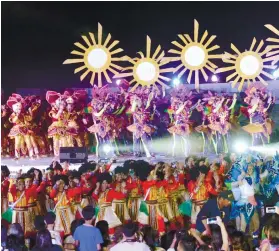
<point x="181" y="105"/>
<point x="61" y="197"/>
<point x="259" y="102"/>
<point x="200" y="188"/>
<point x="105" y="196"/>
<point x="7" y="146"/>
<point x="142" y="109"/>
<point x="5" y="184"/>
<point x="20" y="130"/>
<point x="58" y="129"/>
<point x="103" y="122"/>
<point x="24" y="205"/>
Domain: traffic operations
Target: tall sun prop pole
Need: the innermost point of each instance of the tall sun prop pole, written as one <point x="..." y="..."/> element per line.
<point x="247" y="66"/>
<point x="96" y="57"/>
<point x="274" y="54"/>
<point x="146" y="72"/>
<point x="195" y="55"/>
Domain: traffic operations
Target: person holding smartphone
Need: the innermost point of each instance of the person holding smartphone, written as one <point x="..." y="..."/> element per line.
<point x="218" y="206"/>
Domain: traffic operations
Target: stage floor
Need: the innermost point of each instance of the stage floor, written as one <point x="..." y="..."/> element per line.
<point x="44" y="162"/>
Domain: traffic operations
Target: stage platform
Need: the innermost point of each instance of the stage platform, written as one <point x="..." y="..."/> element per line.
<point x="44" y="162"/>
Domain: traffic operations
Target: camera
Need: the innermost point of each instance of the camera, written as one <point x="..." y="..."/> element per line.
<point x="270" y="210"/>
<point x="212" y="220"/>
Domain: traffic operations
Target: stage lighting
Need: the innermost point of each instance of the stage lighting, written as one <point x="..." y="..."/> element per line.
<point x="240" y="147"/>
<point x="214" y="78"/>
<point x="276" y="74"/>
<point x="107" y="149"/>
<point x="118" y="82"/>
<point x="176" y="81"/>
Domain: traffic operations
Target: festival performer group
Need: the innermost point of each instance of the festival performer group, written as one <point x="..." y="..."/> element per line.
<point x="157" y="194"/>
<point x="118" y="115"/>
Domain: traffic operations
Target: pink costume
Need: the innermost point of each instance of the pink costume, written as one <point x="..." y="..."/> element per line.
<point x="72" y="117"/>
<point x="58" y="129"/>
<point x="218" y="118"/>
<point x="181" y="106"/>
<point x="260" y="126"/>
<point x="103" y="122"/>
<point x="20" y="131"/>
<point x="142" y="109"/>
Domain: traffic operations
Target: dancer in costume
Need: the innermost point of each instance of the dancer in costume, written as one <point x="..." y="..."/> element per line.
<point x="24" y="203"/>
<point x="218" y="119"/>
<point x="102" y="127"/>
<point x="141" y="128"/>
<point x="75" y="193"/>
<point x="62" y="209"/>
<point x="243" y="179"/>
<point x="104" y="195"/>
<point x="181" y="105"/>
<point x="20" y="131"/>
<point x="200" y="187"/>
<point x="58" y="129"/>
<point x="72" y="117"/>
<point x="204" y="129"/>
<point x="134" y="186"/>
<point x="119" y="206"/>
<point x="270" y="183"/>
<point x="259" y="102"/>
<point x="150" y="213"/>
<point x="33" y="106"/>
<point x="5" y="184"/>
<point x="7" y="148"/>
<point x="45" y="188"/>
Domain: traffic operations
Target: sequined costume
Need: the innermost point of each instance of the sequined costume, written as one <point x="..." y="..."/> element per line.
<point x="7" y="146"/>
<point x="20" y="131"/>
<point x="58" y="130"/>
<point x="259" y="103"/>
<point x="181" y="106"/>
<point x="142" y="109"/>
<point x="62" y="198"/>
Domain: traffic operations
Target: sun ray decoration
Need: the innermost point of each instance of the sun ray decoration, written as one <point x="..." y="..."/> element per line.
<point x="195" y="55"/>
<point x="96" y="58"/>
<point x="147" y="69"/>
<point x="274" y="54"/>
<point x="247" y="66"/>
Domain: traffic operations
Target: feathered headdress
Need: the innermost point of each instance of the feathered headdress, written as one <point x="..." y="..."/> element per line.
<point x="14" y="99"/>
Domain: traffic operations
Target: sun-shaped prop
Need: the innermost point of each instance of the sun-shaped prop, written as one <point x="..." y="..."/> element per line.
<point x="275" y="53"/>
<point x="248" y="65"/>
<point x="147" y="70"/>
<point x="195" y="55"/>
<point x="96" y="57"/>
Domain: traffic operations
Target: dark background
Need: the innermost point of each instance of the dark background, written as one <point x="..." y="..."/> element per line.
<point x="38" y="36"/>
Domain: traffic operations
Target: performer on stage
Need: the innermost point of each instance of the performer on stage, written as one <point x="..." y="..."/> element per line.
<point x="141" y="128"/>
<point x="182" y="107"/>
<point x="33" y="106"/>
<point x="72" y="117"/>
<point x="58" y="129"/>
<point x="103" y="124"/>
<point x="259" y="103"/>
<point x="7" y="146"/>
<point x="20" y="131"/>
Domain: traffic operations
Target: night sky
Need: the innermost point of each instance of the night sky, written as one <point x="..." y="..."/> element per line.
<point x="38" y="36"/>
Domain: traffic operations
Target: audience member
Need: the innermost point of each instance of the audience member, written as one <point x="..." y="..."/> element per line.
<point x="87" y="237"/>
